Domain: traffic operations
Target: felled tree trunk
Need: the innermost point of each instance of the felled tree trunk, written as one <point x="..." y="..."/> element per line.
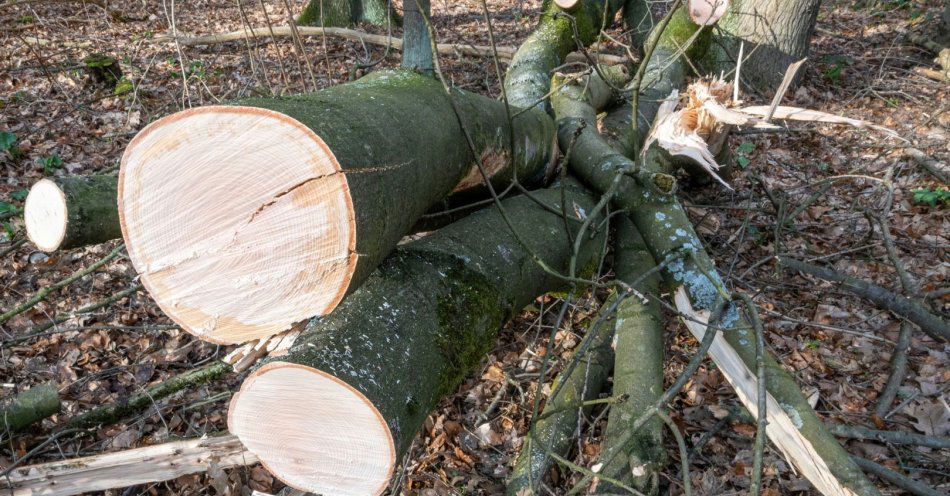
<point x="345" y="13"/>
<point x="335" y="414"/>
<point x="30" y="406"/>
<point x="698" y="289"/>
<point x="529" y="74"/>
<point x="638" y="370"/>
<point x="69" y="212"/>
<point x="247" y="218"/>
<point x="776" y="34"/>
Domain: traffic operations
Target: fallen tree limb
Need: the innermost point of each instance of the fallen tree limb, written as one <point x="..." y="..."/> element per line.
<point x="793" y="426"/>
<point x="348" y="181"/>
<point x="126" y="468"/>
<point x="638" y="370"/>
<point x="933" y="325"/>
<point x="504" y="52"/>
<point x="553" y="433"/>
<point x="902" y="481"/>
<point x="69" y="212"/>
<point x="335" y="414"/>
<point x="115" y="412"/>
<point x="894" y="437"/>
<point x="29" y="406"/>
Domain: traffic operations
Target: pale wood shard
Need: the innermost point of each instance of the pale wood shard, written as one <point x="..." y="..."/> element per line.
<point x="782" y="427"/>
<point x="329" y="439"/>
<point x="45" y="215"/>
<point x="126" y="468"/>
<point x="200" y="211"/>
<point x="806" y="115"/>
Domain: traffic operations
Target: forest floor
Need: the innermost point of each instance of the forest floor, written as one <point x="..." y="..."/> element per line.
<point x="837" y="345"/>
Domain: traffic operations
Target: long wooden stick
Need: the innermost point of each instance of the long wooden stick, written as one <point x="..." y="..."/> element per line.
<point x="126" y="468"/>
<point x="504" y="52"/>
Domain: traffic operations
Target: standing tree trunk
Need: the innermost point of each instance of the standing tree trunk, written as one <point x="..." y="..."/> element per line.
<point x="68" y="212"/>
<point x="776" y="34"/>
<point x="345" y="13"/>
<point x="416" y="44"/>
<point x="245" y="219"/>
<point x="335" y="414"/>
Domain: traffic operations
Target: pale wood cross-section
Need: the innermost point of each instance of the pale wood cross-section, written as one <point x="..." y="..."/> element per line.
<point x="45" y="215"/>
<point x="238" y="220"/>
<point x="329" y="439"/>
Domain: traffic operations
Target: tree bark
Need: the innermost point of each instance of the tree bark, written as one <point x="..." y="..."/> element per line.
<point x="334" y="415"/>
<point x="529" y="75"/>
<point x="793" y="425"/>
<point x="416" y="44"/>
<point x="314" y="214"/>
<point x="346" y="13"/>
<point x="638" y="370"/>
<point x="553" y="432"/>
<point x="69" y="212"/>
<point x="29" y="406"/>
<point x="776" y="34"/>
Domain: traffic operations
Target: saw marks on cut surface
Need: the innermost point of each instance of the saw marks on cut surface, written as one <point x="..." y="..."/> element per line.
<point x="313" y="431"/>
<point x="782" y="428"/>
<point x="45" y="215"/>
<point x="238" y="220"/>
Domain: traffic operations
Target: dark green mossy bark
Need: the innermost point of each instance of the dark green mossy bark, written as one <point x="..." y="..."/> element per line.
<point x="667" y="231"/>
<point x="428" y="314"/>
<point x="529" y="74"/>
<point x="345" y="13"/>
<point x="638" y="370"/>
<point x="29" y="406"/>
<point x="116" y="412"/>
<point x="554" y="430"/>
<point x="637" y="21"/>
<point x="93" y="216"/>
<point x="400" y="144"/>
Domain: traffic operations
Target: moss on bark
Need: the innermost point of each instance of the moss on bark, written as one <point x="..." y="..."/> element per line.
<point x="29" y="406"/>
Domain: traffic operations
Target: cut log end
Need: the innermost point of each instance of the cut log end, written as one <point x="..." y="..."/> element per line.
<point x="238" y="220"/>
<point x="313" y="431"/>
<point x="46" y="215"/>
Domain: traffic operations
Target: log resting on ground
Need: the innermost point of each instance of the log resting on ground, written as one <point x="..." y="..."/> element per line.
<point x="793" y="425"/>
<point x="69" y="212"/>
<point x="245" y="219"/>
<point x="638" y="369"/>
<point x="29" y="406"/>
<point x="335" y="414"/>
<point x="554" y="430"/>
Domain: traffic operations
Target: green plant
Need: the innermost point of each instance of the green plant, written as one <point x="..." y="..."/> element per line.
<point x="123" y="86"/>
<point x="9" y="230"/>
<point x="838" y="63"/>
<point x="8" y="209"/>
<point x="932" y="197"/>
<point x="51" y="163"/>
<point x="742" y="153"/>
<point x="20" y="194"/>
<point x="7" y="140"/>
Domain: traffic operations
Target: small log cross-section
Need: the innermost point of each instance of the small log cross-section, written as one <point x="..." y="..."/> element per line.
<point x="69" y="212"/>
<point x="245" y="219"/>
<point x="335" y="414"/>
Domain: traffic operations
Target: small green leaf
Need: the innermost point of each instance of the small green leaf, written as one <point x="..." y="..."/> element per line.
<point x="931" y="197"/>
<point x="20" y="194"/>
<point x="742" y="161"/>
<point x="51" y="163"/>
<point x="7" y="140"/>
<point x="8" y="208"/>
<point x="746" y="148"/>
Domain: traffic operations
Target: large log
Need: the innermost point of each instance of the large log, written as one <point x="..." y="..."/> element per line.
<point x="335" y="414"/>
<point x="793" y="425"/>
<point x="69" y="212"/>
<point x="245" y="219"/>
